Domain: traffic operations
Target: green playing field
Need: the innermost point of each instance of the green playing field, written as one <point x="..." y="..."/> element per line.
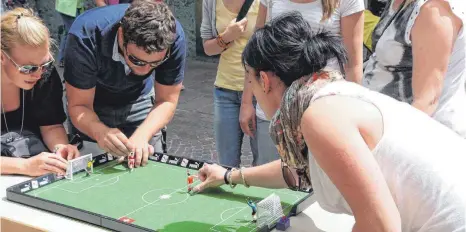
<point x="155" y="197"/>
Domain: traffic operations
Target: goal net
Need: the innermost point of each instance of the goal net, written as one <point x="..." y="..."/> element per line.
<point x="269" y="211"/>
<point x="77" y="165"/>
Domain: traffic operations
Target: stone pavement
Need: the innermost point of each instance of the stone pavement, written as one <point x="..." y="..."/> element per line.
<point x="190" y="133"/>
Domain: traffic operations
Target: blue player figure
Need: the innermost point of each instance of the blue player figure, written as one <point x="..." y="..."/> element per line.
<point x="254" y="209"/>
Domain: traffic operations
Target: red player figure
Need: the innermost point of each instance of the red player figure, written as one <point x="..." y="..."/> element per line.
<point x="131" y="159"/>
<point x="190" y="182"/>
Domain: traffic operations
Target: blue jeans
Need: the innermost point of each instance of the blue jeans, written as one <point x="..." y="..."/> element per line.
<point x="67" y="22"/>
<point x="227" y="130"/>
<point x="267" y="149"/>
<point x="127" y="119"/>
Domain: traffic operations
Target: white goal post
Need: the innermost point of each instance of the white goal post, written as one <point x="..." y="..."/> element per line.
<point x="78" y="164"/>
<point x="269" y="210"/>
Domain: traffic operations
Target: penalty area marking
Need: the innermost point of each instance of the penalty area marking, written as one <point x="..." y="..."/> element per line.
<point x="221" y="215"/>
<point x="248" y="224"/>
<point x="242" y="208"/>
<point x="97" y="185"/>
<point x="98" y="173"/>
<point x="106" y="185"/>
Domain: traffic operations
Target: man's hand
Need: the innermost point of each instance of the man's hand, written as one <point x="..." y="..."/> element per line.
<point x="44" y="163"/>
<point x="115" y="142"/>
<point x="67" y="151"/>
<point x="247" y="119"/>
<point x="142" y="150"/>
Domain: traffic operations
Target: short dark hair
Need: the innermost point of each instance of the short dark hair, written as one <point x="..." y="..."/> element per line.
<point x="150" y="25"/>
<point x="287" y="47"/>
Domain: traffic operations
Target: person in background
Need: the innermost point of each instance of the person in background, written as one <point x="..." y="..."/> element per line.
<point x="32" y="107"/>
<point x="116" y="58"/>
<point x="100" y="3"/>
<point x="370" y="22"/>
<point x="342" y="18"/>
<point x="68" y="10"/>
<point x="420" y="58"/>
<point x="12" y="4"/>
<point x="376" y="7"/>
<point x="223" y="36"/>
<point x="363" y="153"/>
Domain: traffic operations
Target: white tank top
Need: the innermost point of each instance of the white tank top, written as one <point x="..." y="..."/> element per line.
<point x="422" y="161"/>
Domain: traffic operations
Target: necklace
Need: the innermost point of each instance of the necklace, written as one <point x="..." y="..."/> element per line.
<point x="10" y="139"/>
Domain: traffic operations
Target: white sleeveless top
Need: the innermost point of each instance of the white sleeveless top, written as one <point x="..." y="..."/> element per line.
<point x="389" y="69"/>
<point x="422" y="161"/>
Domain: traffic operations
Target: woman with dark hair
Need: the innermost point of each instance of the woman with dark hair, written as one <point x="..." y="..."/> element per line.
<point x="364" y="154"/>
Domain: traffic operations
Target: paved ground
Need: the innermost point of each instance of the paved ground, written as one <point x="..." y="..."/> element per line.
<point x="190" y="133"/>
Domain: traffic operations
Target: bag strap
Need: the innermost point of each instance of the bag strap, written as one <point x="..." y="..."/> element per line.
<point x="244" y="10"/>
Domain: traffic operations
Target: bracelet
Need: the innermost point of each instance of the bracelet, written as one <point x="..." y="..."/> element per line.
<point x="242" y="177"/>
<point x="225" y="176"/>
<point x="229" y="178"/>
<point x="221" y="43"/>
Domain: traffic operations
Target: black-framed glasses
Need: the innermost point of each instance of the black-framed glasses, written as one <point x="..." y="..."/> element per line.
<point x="138" y="62"/>
<point x="29" y="68"/>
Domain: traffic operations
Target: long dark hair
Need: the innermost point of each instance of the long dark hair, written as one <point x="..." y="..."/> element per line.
<point x="287" y="47"/>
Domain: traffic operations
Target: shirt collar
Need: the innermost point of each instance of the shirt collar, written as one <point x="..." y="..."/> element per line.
<point x="116" y="56"/>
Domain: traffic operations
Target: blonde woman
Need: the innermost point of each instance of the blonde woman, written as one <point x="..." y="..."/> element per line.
<point x="34" y="141"/>
<point x="419" y="58"/>
<point x="344" y="18"/>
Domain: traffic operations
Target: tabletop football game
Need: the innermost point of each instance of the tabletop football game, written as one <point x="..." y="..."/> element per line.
<point x="156" y="197"/>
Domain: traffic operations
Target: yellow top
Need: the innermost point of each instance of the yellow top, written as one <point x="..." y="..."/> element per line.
<point x="370" y="21"/>
<point x="230" y="73"/>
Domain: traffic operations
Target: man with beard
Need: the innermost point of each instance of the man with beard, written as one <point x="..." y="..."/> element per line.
<point x="116" y="58"/>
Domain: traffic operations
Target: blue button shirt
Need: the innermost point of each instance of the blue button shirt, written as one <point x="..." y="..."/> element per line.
<point x="89" y="59"/>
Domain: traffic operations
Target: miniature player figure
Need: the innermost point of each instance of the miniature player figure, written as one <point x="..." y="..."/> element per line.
<point x="254" y="209"/>
<point x="131" y="159"/>
<point x="190" y="181"/>
<point x="89" y="166"/>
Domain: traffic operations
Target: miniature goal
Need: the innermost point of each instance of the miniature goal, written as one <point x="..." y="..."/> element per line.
<point x="78" y="164"/>
<point x="269" y="210"/>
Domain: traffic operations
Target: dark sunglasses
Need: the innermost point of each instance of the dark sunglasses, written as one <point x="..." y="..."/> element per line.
<point x="289" y="177"/>
<point x="28" y="69"/>
<point x="136" y="61"/>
